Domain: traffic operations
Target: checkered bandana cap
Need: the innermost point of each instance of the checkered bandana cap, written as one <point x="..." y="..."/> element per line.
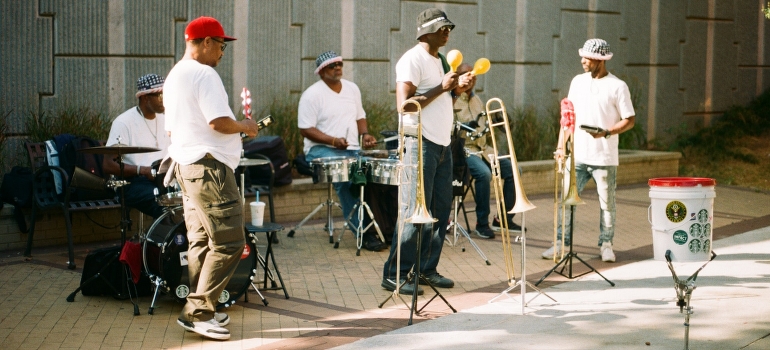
<point x="149" y="84"/>
<point x="596" y="49"/>
<point x="325" y="59"/>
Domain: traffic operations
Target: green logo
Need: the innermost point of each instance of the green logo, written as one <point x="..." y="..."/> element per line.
<point x="676" y="211"/>
<point x="680" y="237"/>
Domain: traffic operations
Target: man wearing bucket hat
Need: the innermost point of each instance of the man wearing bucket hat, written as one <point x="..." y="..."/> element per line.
<point x="423" y="76"/>
<point x="140" y="126"/>
<point x="206" y="148"/>
<point x="600" y="99"/>
<point x="331" y="118"/>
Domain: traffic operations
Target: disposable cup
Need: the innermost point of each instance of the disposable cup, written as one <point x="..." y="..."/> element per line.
<point x="257" y="213"/>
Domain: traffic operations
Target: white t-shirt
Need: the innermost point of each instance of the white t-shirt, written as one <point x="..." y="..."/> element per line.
<point x="136" y="131"/>
<point x="194" y="95"/>
<point x="598" y="102"/>
<point x="425" y="72"/>
<point x="334" y="114"/>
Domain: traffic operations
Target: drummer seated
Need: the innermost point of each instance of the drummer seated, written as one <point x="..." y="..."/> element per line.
<point x="140" y="126"/>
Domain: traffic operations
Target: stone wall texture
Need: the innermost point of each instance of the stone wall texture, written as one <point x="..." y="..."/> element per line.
<point x="688" y="60"/>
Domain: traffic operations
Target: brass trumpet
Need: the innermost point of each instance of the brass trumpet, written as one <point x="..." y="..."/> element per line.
<point x="522" y="203"/>
<point x="564" y="150"/>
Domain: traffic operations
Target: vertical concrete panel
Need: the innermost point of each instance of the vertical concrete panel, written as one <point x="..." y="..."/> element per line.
<point x="724" y="67"/>
<point x="373" y="20"/>
<point x="671" y="31"/>
<point x="80" y="82"/>
<point x="716" y="9"/>
<point x="752" y="30"/>
<point x="637" y="20"/>
<point x="693" y="72"/>
<point x="81" y="26"/>
<point x="27" y="68"/>
<point x="150" y="26"/>
<point x="274" y="51"/>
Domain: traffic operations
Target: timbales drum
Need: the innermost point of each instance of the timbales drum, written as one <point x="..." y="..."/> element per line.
<point x="384" y="171"/>
<point x="331" y="169"/>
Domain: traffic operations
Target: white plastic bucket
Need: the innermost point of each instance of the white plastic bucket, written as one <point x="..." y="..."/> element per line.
<point x="682" y="217"/>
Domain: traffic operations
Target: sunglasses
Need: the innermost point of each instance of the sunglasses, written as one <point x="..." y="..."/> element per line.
<point x="334" y="65"/>
<point x="224" y="44"/>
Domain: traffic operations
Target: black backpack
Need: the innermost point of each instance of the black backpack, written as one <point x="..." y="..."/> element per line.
<point x="17" y="190"/>
<point x="70" y="158"/>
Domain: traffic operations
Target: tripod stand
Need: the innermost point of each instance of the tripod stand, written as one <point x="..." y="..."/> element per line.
<point x="567" y="260"/>
<point x="329" y="222"/>
<point x="358" y="209"/>
<point x="416" y="276"/>
<point x="455" y="226"/>
<point x="684" y="290"/>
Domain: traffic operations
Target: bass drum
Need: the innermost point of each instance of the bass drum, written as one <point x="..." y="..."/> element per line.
<point x="165" y="255"/>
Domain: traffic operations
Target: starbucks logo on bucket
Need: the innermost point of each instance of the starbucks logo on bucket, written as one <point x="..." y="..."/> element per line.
<point x="676" y="211"/>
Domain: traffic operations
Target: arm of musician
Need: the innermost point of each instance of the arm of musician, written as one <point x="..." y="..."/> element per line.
<point x="227" y="125"/>
<point x="619" y="127"/>
<point x="406" y="90"/>
<point x="316" y="135"/>
<point x="368" y="140"/>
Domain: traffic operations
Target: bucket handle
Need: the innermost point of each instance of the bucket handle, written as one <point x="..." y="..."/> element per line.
<point x="649" y="214"/>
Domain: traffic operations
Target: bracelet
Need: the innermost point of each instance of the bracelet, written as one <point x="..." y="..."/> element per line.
<point x="334" y="139"/>
<point x="138" y="170"/>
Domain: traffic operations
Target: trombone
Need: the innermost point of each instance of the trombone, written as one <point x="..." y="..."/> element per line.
<point x="522" y="204"/>
<point x="565" y="149"/>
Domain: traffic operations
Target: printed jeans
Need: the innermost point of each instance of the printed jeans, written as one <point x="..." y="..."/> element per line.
<point x="604" y="176"/>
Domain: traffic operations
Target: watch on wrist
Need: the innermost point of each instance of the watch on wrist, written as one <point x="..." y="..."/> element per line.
<point x="607" y="134"/>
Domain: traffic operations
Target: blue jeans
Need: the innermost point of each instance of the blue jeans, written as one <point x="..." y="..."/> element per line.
<point x="140" y="194"/>
<point x="347" y="201"/>
<point x="605" y="177"/>
<point x="482" y="174"/>
<point x="437" y="180"/>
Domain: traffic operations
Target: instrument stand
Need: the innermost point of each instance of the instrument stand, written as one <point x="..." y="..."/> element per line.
<point x="523" y="283"/>
<point x="329" y="222"/>
<point x="417" y="276"/>
<point x="455" y="226"/>
<point x="125" y="223"/>
<point x="358" y="208"/>
<point x="567" y="260"/>
<point x="684" y="292"/>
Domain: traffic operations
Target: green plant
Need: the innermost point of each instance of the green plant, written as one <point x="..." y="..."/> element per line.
<point x="534" y="136"/>
<point x="284" y="111"/>
<point x="81" y="121"/>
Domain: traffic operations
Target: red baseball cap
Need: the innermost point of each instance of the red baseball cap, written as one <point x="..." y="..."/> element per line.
<point x="203" y="26"/>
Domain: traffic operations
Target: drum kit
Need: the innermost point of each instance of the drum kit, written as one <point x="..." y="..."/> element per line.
<point x="378" y="166"/>
<point x="164" y="245"/>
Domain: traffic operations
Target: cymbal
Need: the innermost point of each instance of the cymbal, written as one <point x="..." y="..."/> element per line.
<point x="118" y="148"/>
<point x="252" y="162"/>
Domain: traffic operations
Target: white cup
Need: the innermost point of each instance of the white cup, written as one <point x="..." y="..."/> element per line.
<point x="257" y="213"/>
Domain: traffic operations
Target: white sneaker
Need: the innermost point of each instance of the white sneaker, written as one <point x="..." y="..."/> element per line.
<point x="209" y="329"/>
<point x="222" y="319"/>
<point x="607" y="254"/>
<point x="556" y="249"/>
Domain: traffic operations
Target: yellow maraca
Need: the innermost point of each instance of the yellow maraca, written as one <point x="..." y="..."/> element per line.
<point x="454" y="58"/>
<point x="481" y="66"/>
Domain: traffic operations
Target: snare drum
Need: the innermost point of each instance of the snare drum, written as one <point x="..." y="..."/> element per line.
<point x="170" y="199"/>
<point x="331" y="169"/>
<point x="384" y="171"/>
<point x="165" y="256"/>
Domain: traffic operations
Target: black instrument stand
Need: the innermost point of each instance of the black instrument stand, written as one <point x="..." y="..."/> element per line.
<point x="358" y="209"/>
<point x="567" y="260"/>
<point x="416" y="276"/>
<point x="455" y="226"/>
<point x="125" y="223"/>
<point x="329" y="203"/>
<point x="684" y="292"/>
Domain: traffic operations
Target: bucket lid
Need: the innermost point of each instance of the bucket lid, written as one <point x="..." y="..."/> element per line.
<point x="681" y="181"/>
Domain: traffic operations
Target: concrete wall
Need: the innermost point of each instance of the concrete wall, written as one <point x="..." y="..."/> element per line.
<point x="688" y="59"/>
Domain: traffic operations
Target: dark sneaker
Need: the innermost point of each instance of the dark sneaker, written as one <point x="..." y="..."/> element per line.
<point x="209" y="329"/>
<point x="512" y="226"/>
<point x="438" y="281"/>
<point x="485" y="232"/>
<point x="390" y="285"/>
<point x="373" y="243"/>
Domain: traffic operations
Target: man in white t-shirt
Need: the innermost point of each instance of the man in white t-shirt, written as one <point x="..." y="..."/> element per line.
<point x="600" y="99"/>
<point x="206" y="147"/>
<point x="422" y="75"/>
<point x="140" y="126"/>
<point x="331" y="118"/>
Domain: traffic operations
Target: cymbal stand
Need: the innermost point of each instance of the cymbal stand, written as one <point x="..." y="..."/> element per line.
<point x="684" y="290"/>
<point x="522" y="282"/>
<point x="329" y="222"/>
<point x="455" y="226"/>
<point x="567" y="260"/>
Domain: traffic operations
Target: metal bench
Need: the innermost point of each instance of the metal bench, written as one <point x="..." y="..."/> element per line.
<point x="45" y="197"/>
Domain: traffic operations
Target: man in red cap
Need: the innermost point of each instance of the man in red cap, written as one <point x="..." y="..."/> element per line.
<point x="206" y="147"/>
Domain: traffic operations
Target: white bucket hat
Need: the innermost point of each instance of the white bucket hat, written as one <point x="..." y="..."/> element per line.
<point x="596" y="49"/>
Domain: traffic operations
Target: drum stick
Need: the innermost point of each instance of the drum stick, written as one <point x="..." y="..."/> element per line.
<point x="387" y="139"/>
